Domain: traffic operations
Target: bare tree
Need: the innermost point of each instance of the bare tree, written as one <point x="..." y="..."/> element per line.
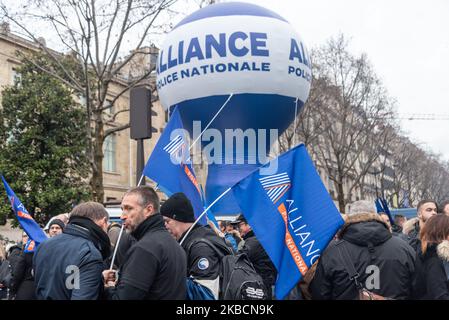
<point x="95" y="33"/>
<point x="307" y="127"/>
<point x="352" y="119"/>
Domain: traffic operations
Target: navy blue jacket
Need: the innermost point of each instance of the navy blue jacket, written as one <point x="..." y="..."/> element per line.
<point x="57" y="260"/>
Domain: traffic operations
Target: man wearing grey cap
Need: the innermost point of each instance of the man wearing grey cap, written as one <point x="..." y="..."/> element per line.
<point x="364" y="256"/>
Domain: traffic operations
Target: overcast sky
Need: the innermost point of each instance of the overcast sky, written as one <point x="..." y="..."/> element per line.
<point x="407" y="41"/>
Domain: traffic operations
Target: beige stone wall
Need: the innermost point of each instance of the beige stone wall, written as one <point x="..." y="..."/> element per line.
<point x="124" y="177"/>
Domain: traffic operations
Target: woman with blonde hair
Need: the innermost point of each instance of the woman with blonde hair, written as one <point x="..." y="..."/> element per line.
<point x="432" y="263"/>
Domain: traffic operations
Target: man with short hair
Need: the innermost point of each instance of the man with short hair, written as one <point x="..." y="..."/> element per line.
<point x="425" y="209"/>
<point x="68" y="267"/>
<point x="384" y="264"/>
<point x="256" y="254"/>
<point x="155" y="266"/>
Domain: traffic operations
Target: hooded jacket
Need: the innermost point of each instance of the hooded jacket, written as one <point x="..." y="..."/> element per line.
<point x="432" y="273"/>
<point x="385" y="264"/>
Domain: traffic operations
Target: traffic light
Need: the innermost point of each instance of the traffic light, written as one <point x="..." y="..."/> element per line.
<point x="140" y="113"/>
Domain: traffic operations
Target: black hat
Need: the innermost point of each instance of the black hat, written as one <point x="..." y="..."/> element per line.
<point x="179" y="208"/>
<point x="239" y="219"/>
<point x="58" y="222"/>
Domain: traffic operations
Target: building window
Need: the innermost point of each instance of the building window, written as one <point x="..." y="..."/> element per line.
<point x="16" y="77"/>
<point x="110" y="107"/>
<point x="109" y="153"/>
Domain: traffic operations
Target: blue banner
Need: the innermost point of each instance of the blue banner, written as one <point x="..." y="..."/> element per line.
<point x="170" y="166"/>
<point x="27" y="222"/>
<point x="291" y="213"/>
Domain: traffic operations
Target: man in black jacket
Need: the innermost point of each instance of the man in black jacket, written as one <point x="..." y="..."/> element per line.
<point x="155" y="266"/>
<point x="256" y="254"/>
<point x="425" y="210"/>
<point x="384" y="264"/>
<point x="68" y="266"/>
<point x="203" y="263"/>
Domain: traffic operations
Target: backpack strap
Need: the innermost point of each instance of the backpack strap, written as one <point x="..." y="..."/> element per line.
<point x="347" y="263"/>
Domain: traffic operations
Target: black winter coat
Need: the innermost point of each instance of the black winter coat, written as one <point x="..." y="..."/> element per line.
<point x="23" y="279"/>
<point x="260" y="259"/>
<point x="431" y="282"/>
<point x="154" y="268"/>
<point x="371" y="247"/>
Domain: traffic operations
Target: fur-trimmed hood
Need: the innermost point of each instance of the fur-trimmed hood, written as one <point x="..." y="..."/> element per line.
<point x="409" y="225"/>
<point x="365" y="228"/>
<point x="443" y="250"/>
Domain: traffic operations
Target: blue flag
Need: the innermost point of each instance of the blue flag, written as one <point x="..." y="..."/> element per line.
<point x="30" y="246"/>
<point x="382" y="206"/>
<point x="379" y="208"/>
<point x="291" y="214"/>
<point x="169" y="164"/>
<point x="27" y="222"/>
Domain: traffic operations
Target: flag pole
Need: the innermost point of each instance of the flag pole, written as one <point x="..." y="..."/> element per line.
<point x="210" y="122"/>
<point x="116" y="246"/>
<point x="294" y="126"/>
<point x="202" y="132"/>
<point x="202" y="214"/>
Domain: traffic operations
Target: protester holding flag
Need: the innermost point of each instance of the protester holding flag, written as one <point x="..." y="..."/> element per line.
<point x="366" y="256"/>
<point x="69" y="266"/>
<point x="203" y="263"/>
<point x="256" y="254"/>
<point x="155" y="267"/>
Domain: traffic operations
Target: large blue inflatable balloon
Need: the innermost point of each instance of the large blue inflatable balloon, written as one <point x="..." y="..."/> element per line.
<point x="246" y="68"/>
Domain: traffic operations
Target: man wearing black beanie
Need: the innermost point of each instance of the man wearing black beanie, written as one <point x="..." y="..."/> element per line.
<point x="55" y="227"/>
<point x="202" y="261"/>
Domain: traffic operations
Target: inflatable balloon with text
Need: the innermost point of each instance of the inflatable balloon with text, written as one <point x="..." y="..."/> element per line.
<point x="245" y="68"/>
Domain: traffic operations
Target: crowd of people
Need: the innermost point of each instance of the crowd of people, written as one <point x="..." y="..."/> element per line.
<point x="87" y="258"/>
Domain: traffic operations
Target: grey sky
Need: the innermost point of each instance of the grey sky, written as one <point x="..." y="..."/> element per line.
<point x="406" y="41"/>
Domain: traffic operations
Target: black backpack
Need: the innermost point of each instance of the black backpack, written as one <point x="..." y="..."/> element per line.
<point x="238" y="278"/>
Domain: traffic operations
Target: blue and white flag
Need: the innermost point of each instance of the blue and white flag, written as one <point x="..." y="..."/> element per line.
<point x="26" y="221"/>
<point x="291" y="213"/>
<point x="170" y="166"/>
